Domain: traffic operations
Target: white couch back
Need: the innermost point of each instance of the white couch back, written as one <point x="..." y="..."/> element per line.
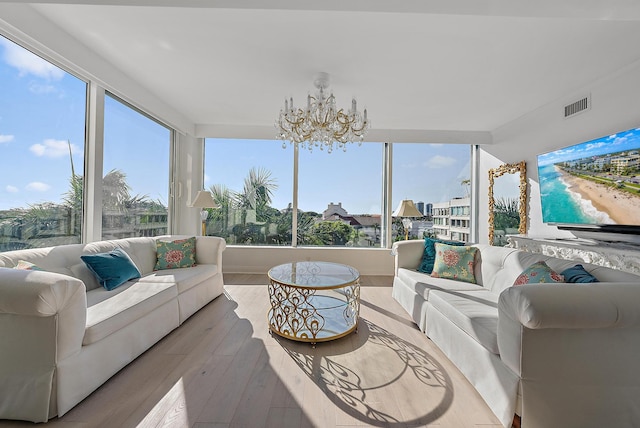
<point x="65" y="259"/>
<point x="499" y="267"/>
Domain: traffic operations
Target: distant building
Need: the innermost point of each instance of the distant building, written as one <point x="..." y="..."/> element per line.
<point x="620" y="163"/>
<point x="420" y="228"/>
<point x="601" y="162"/>
<point x="420" y="206"/>
<point x="452" y="219"/>
<point x="333" y="209"/>
<point x="367" y="225"/>
<point x="428" y="210"/>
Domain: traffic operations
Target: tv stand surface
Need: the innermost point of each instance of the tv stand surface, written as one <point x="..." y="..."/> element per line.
<point x="622" y="256"/>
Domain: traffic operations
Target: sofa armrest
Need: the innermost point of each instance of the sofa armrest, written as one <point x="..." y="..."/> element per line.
<point x="209" y="250"/>
<point x="408" y="254"/>
<point x="575" y="348"/>
<point x="34" y="294"/>
<point x="572" y="306"/>
<point x="42" y="321"/>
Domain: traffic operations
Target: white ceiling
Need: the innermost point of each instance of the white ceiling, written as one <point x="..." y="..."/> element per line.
<point x="424" y="65"/>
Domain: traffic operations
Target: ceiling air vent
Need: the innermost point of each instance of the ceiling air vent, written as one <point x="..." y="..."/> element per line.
<point x="579" y="106"/>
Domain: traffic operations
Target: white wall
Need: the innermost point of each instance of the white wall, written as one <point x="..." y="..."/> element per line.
<point x="239" y="259"/>
<point x="615" y="107"/>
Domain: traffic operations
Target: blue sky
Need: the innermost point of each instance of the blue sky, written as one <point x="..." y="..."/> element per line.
<point x="421" y="172"/>
<point x="622" y="141"/>
<point x="42" y="110"/>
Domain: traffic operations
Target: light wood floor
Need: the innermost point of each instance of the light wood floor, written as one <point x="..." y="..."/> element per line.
<point x="222" y="368"/>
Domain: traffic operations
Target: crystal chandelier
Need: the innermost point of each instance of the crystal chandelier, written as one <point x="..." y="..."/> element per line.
<point x="321" y="124"/>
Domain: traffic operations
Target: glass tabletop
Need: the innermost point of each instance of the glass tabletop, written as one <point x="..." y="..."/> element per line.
<point x="315" y="275"/>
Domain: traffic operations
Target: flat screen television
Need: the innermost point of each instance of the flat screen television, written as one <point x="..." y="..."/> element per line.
<point x="593" y="188"/>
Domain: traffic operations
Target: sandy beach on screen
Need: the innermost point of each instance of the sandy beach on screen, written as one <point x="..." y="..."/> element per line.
<point x="622" y="207"/>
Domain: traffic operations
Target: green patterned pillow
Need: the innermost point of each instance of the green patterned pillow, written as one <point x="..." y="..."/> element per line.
<point x="429" y="254"/>
<point x="538" y="273"/>
<point x="455" y="262"/>
<point x="176" y="254"/>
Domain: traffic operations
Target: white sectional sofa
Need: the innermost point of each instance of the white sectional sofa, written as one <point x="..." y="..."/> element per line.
<point x="63" y="334"/>
<point x="558" y="355"/>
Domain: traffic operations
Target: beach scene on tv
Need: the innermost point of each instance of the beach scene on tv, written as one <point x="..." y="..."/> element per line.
<point x="596" y="182"/>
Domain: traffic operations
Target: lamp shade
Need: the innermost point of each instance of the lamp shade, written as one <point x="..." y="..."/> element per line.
<point x="204" y="200"/>
<point x="407" y="209"/>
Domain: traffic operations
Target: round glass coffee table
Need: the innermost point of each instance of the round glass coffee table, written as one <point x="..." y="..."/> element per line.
<point x="313" y="301"/>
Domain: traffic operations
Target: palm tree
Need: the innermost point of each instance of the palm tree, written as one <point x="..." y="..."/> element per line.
<point x="220" y="216"/>
<point x="257" y="193"/>
<point x="256" y="196"/>
<point x="466" y="183"/>
<point x="507" y="215"/>
<point x="72" y="200"/>
<point x="116" y="191"/>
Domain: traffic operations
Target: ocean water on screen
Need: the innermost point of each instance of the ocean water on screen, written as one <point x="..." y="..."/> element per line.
<point x="561" y="205"/>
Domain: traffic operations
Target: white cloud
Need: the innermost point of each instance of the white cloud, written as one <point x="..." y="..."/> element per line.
<point x="53" y="148"/>
<point x="593" y="146"/>
<point x="11" y="189"/>
<point x="207" y="179"/>
<point x="6" y="138"/>
<point x="440" y="162"/>
<point x="36" y="88"/>
<point x="38" y="186"/>
<point x="28" y="63"/>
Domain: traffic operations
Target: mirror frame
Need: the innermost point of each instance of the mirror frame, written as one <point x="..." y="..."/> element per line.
<point x="509" y="168"/>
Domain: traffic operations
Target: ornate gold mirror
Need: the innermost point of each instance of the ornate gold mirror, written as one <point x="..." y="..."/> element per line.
<point x="507" y="213"/>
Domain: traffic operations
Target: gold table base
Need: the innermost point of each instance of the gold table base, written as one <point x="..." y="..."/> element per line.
<point x="313" y="314"/>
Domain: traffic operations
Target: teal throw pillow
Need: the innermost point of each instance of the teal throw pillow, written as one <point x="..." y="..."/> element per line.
<point x="112" y="269"/>
<point x="538" y="273"/>
<point x="179" y="253"/>
<point x="429" y="254"/>
<point x="578" y="274"/>
<point x="455" y="262"/>
<point x="25" y="265"/>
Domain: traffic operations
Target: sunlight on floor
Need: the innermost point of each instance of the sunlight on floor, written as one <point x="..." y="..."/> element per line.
<point x="175" y="399"/>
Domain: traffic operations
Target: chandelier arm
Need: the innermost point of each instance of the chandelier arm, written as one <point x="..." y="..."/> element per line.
<point x="321" y="123"/>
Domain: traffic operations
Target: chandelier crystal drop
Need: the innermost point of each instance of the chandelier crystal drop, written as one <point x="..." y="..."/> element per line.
<point x="321" y="124"/>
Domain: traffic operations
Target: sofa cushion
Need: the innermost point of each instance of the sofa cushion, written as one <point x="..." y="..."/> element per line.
<point x="455" y="262"/>
<point x="474" y="312"/>
<point x="178" y="253"/>
<point x="112" y="269"/>
<point x="423" y="284"/>
<point x="183" y="278"/>
<point x="142" y="251"/>
<point x="538" y="273"/>
<point x="110" y="311"/>
<point x="429" y="253"/>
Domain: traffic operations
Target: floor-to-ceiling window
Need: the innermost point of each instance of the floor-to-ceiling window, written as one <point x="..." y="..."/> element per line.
<point x="42" y="140"/>
<point x="343" y="191"/>
<point x="341" y="197"/>
<point x="252" y="182"/>
<point x="43" y="122"/>
<point x="437" y="178"/>
<point x="135" y="186"/>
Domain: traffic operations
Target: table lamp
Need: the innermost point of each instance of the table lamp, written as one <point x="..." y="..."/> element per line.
<point x="406" y="210"/>
<point x="204" y="200"/>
